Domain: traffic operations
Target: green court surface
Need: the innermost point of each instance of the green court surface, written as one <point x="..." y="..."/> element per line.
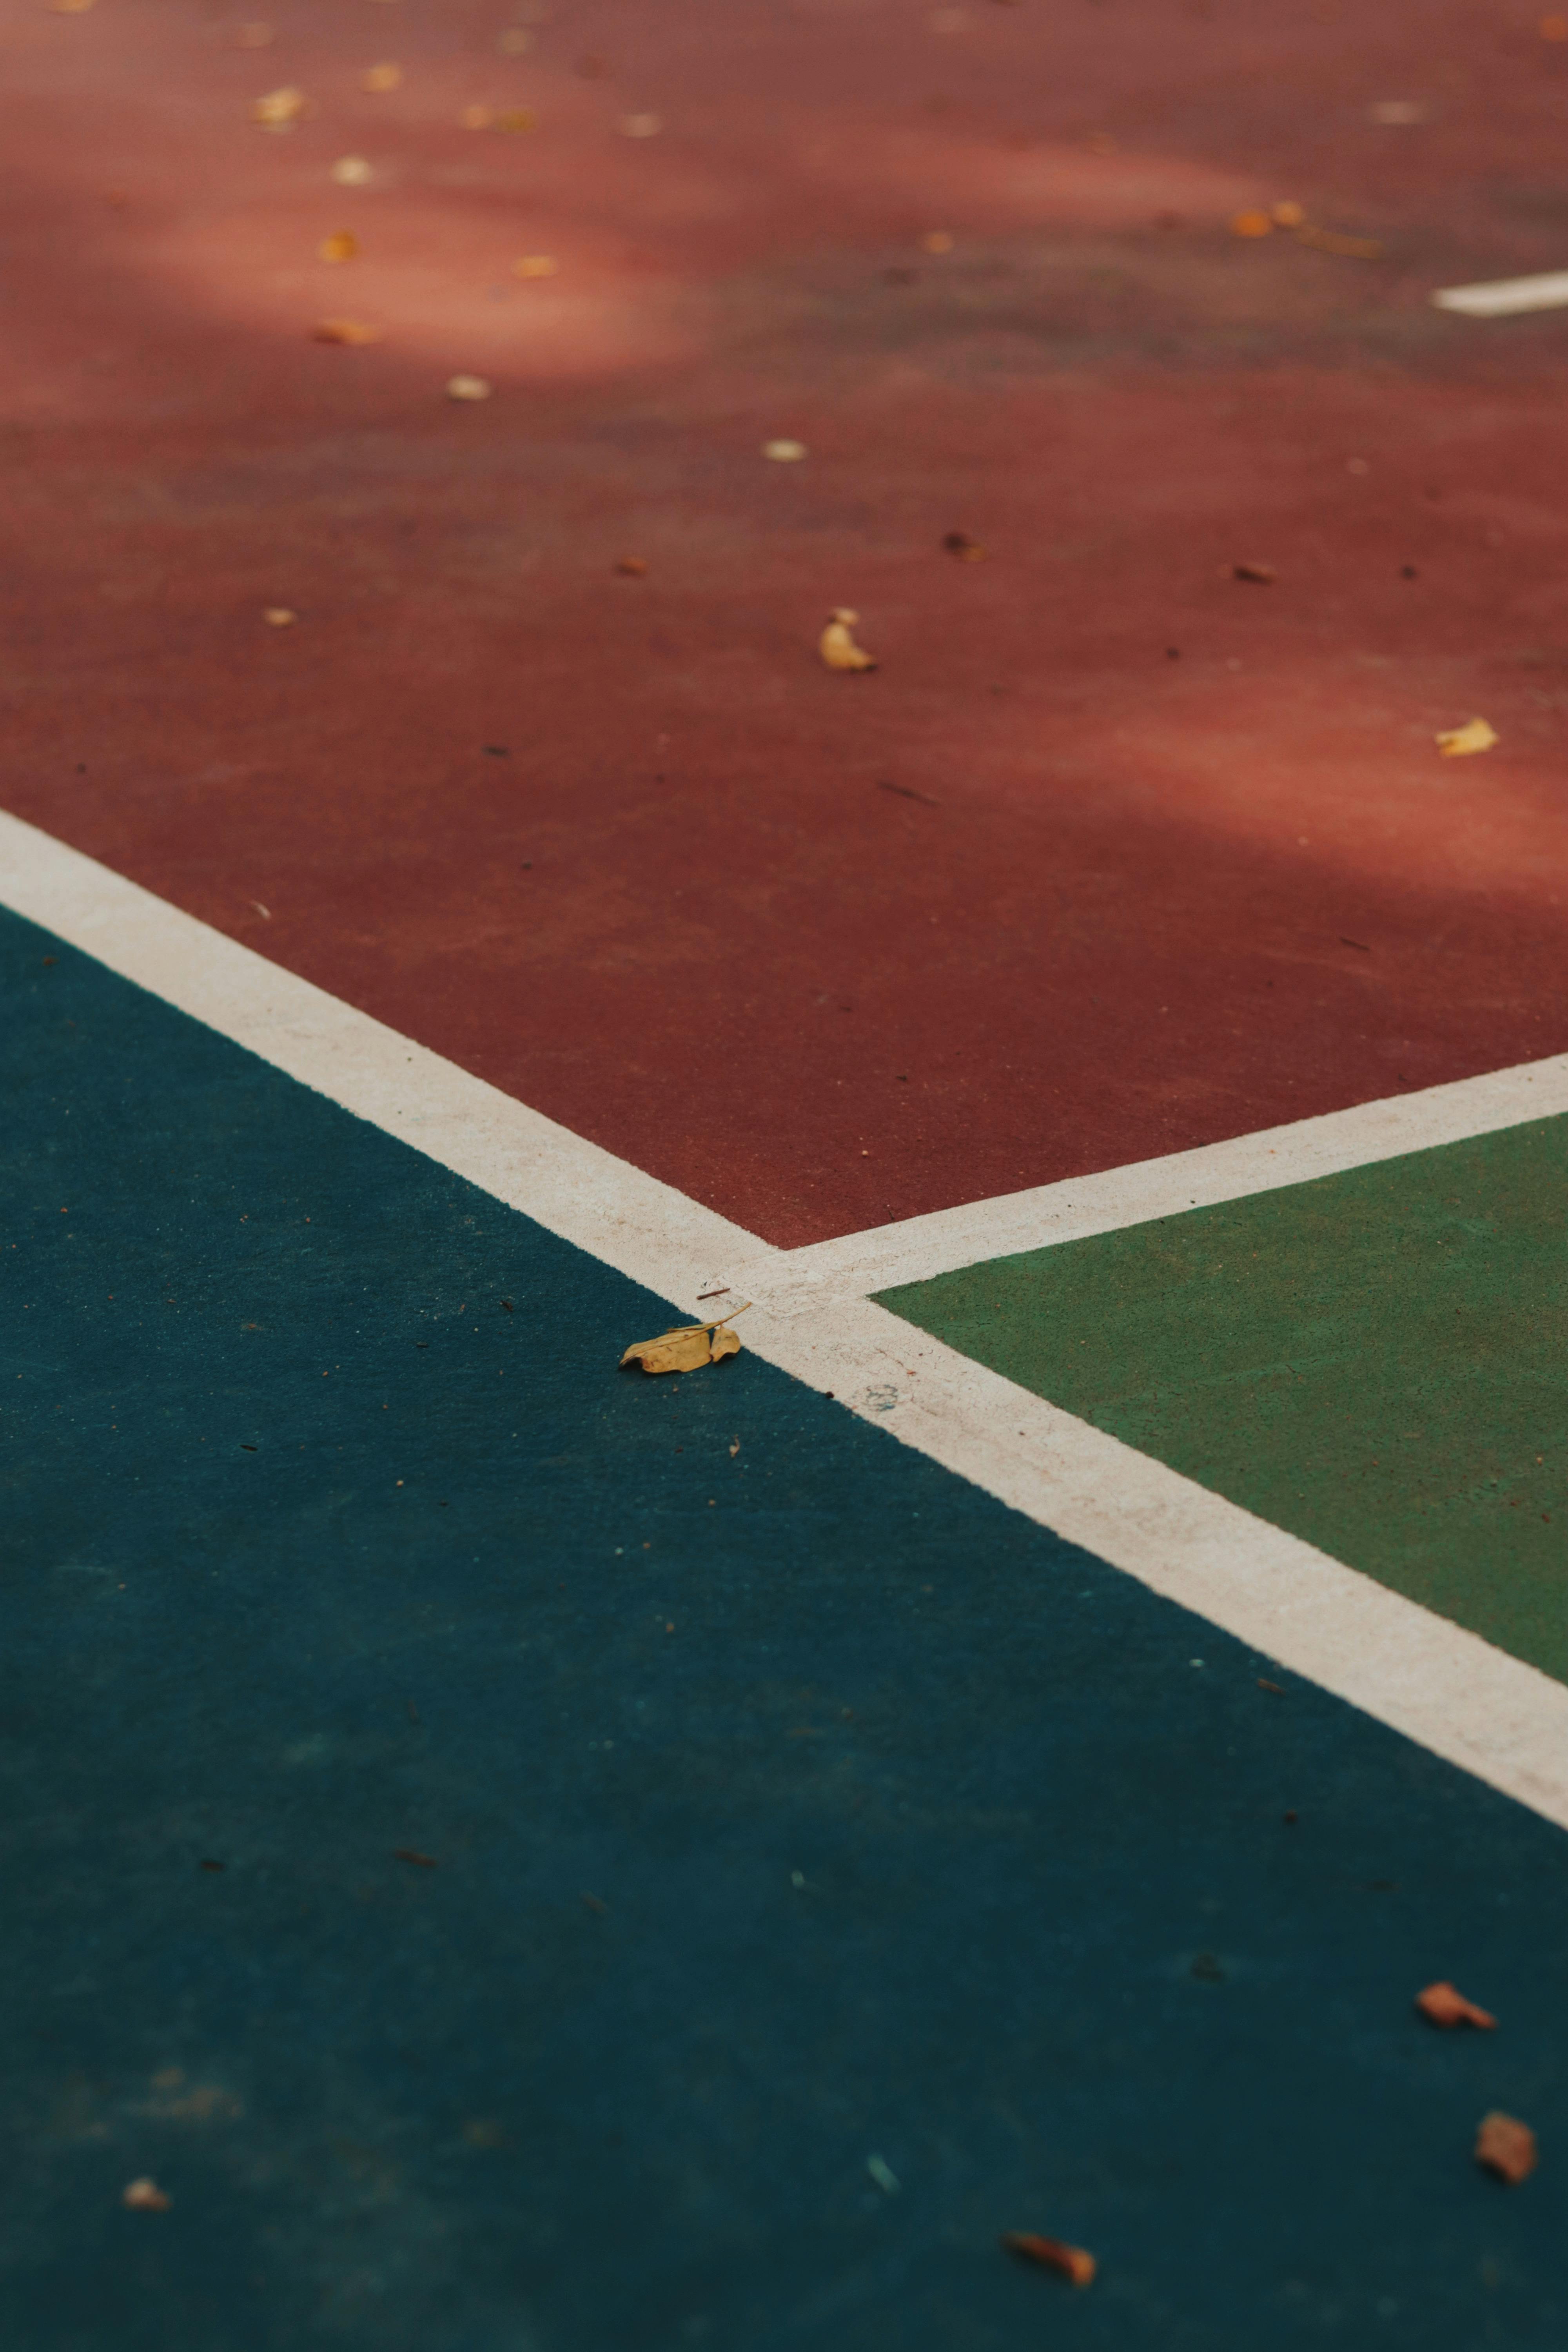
<point x="1374" y="1360"/>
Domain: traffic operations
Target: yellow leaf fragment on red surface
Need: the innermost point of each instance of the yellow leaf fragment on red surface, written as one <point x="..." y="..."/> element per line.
<point x="341" y="245"/>
<point x="1051" y="2253"/>
<point x="144" y="2196"/>
<point x="278" y="110"/>
<point x="352" y="172"/>
<point x="278" y="616"/>
<point x="1444" y="2004"/>
<point x="1506" y="2146"/>
<point x="344" y="330"/>
<point x="1459" y="742"/>
<point x="837" y="644"/>
<point x="784" y="453"/>
<point x="469" y="387"/>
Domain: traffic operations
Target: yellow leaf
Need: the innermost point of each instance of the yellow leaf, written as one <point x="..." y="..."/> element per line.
<point x="837" y="644"/>
<point x="276" y="109"/>
<point x="382" y="78"/>
<point x="345" y="330"/>
<point x="469" y="387"/>
<point x="784" y="453"/>
<point x="341" y="245"/>
<point x="352" y="172"/>
<point x="1458" y="742"/>
<point x="278" y="616"/>
<point x="535" y="265"/>
<point x="686" y="1349"/>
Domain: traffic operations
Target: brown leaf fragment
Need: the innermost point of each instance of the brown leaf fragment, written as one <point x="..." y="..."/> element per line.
<point x="1506" y="2146"/>
<point x="421" y="1861"/>
<point x="1051" y="2254"/>
<point x="1262" y="575"/>
<point x="686" y="1349"/>
<point x="144" y="2196"/>
<point x="967" y="549"/>
<point x="341" y="245"/>
<point x="634" y="566"/>
<point x="1445" y="2005"/>
<point x="344" y="330"/>
<point x="1327" y="240"/>
<point x="837" y="644"/>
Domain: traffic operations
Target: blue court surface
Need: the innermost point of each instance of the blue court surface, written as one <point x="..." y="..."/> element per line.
<point x="531" y="1858"/>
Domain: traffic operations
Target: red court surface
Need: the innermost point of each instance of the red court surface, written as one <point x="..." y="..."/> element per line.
<point x="1112" y="855"/>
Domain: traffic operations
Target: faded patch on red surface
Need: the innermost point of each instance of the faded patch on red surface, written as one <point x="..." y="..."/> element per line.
<point x="1141" y="902"/>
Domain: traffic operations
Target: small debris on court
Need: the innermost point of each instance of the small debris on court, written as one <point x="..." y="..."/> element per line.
<point x="144" y="2196"/>
<point x="1443" y="2005"/>
<point x="1506" y="2146"/>
<point x="837" y="644"/>
<point x="1459" y="742"/>
<point x="1052" y="2254"/>
<point x="686" y="1349"/>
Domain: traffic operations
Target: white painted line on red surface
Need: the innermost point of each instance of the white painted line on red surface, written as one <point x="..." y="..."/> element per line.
<point x="1501" y="298"/>
<point x="1442" y="1687"/>
<point x="914" y="1250"/>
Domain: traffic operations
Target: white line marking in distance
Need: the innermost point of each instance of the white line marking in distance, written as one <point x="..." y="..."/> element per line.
<point x="1500" y="297"/>
<point x="1439" y="1685"/>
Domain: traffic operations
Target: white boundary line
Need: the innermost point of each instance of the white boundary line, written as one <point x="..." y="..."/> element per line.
<point x="1444" y="1687"/>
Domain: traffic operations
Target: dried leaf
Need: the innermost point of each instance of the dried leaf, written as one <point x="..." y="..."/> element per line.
<point x="784" y="453"/>
<point x="1263" y="576"/>
<point x="642" y="126"/>
<point x="686" y="1349"/>
<point x="1327" y="240"/>
<point x="516" y="118"/>
<point x="278" y="110"/>
<point x="278" y="616"/>
<point x="380" y="78"/>
<point x="144" y="2196"/>
<point x="634" y="566"/>
<point x="1506" y="2146"/>
<point x="469" y="387"/>
<point x="352" y="172"/>
<point x="345" y="330"/>
<point x="341" y="245"/>
<point x="1445" y="2005"/>
<point x="1052" y="2254"/>
<point x="967" y="549"/>
<point x="1458" y="742"/>
<point x="1251" y="224"/>
<point x="837" y="644"/>
<point x="535" y="265"/>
